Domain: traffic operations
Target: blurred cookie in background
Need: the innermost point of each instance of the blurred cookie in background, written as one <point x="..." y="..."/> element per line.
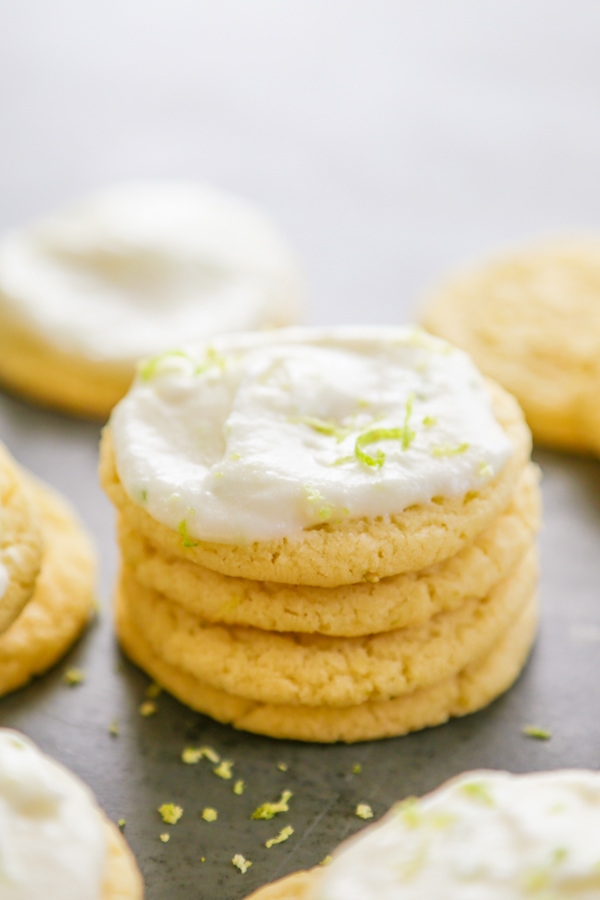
<point x="531" y="320"/>
<point x="127" y="272"/>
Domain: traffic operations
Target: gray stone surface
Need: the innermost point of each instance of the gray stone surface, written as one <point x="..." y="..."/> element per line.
<point x="391" y="140"/>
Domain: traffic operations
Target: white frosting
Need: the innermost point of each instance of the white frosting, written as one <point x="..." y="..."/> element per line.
<point x="137" y="268"/>
<point x="52" y="842"/>
<point x="482" y="836"/>
<point x="4" y="580"/>
<point x="255" y="437"/>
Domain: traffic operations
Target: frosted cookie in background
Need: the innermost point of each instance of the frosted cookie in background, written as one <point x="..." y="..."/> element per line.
<point x="481" y="836"/>
<point x="56" y="842"/>
<point x="48" y="569"/>
<point x="326" y="534"/>
<point x="531" y="320"/>
<point x="127" y="272"/>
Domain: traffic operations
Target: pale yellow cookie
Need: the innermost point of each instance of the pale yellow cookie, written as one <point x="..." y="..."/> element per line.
<point x="350" y="610"/>
<point x="63" y="599"/>
<point x="354" y="550"/>
<point x="473" y="688"/>
<point x="122" y="880"/>
<point x="20" y="542"/>
<point x="315" y="670"/>
<point x="531" y="320"/>
<point x="293" y="887"/>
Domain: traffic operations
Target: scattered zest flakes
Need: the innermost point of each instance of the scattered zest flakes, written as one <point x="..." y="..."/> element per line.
<point x="223" y="770"/>
<point x="193" y="755"/>
<point x="268" y="810"/>
<point x="429" y="421"/>
<point x="165" y="838"/>
<point x="150" y="367"/>
<point x="282" y="766"/>
<point x="477" y="791"/>
<point x="450" y="451"/>
<point x="371" y="437"/>
<point x="356" y="769"/>
<point x="121" y="823"/>
<point x="113" y="728"/>
<point x="326" y="860"/>
<point x="148" y="708"/>
<point x="73" y="677"/>
<point x="364" y="811"/>
<point x="239" y="787"/>
<point x="153" y="691"/>
<point x="241" y="863"/>
<point x="534" y="731"/>
<point x="170" y="813"/>
<point x="410" y="812"/>
<point x="209" y="814"/>
<point x="283" y="835"/>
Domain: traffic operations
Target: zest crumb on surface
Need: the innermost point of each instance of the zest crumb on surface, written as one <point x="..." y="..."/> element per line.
<point x="170" y="813"/>
<point x="283" y="835"/>
<point x="241" y="863"/>
<point x="364" y="811"/>
<point x="209" y="814"/>
<point x="73" y="677"/>
<point x="534" y="731"/>
<point x="268" y="810"/>
<point x="223" y="770"/>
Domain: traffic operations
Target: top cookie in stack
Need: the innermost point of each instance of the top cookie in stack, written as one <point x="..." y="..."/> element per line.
<point x="326" y="534"/>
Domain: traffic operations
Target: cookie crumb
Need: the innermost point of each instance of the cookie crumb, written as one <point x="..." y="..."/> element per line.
<point x="268" y="810"/>
<point x="73" y="677"/>
<point x="170" y="813"/>
<point x="209" y="814"/>
<point x="148" y="708"/>
<point x="223" y="770"/>
<point x="165" y="838"/>
<point x="193" y="755"/>
<point x="241" y="863"/>
<point x="364" y="811"/>
<point x="534" y="731"/>
<point x="283" y="835"/>
<point x="239" y="787"/>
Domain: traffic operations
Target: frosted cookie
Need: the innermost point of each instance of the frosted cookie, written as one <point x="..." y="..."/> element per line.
<point x="56" y="842"/>
<point x="319" y="457"/>
<point x="350" y="610"/>
<point x="465" y="692"/>
<point x="124" y="274"/>
<point x="485" y="834"/>
<point x="20" y="542"/>
<point x="314" y="670"/>
<point x="63" y="599"/>
<point x="531" y="320"/>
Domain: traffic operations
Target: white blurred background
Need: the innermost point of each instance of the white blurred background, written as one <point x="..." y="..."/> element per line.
<point x="391" y="139"/>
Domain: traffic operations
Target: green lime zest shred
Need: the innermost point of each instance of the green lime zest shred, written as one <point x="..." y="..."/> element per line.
<point x="212" y="360"/>
<point x="534" y="731"/>
<point x="408" y="435"/>
<point x="324" y="426"/>
<point x="149" y="367"/>
<point x="186" y="540"/>
<point x="450" y="451"/>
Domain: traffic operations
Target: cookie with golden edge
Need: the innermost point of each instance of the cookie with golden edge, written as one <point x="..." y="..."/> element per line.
<point x="353" y="550"/>
<point x="20" y="542"/>
<point x="531" y="320"/>
<point x="464" y="692"/>
<point x="349" y="610"/>
<point x="316" y="670"/>
<point x="63" y="600"/>
<point x="122" y="880"/>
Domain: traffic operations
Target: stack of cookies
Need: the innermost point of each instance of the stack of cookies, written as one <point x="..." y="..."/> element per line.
<point x="326" y="535"/>
<point x="47" y="572"/>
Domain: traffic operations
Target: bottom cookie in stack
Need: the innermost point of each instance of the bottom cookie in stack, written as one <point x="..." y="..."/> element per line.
<point x="483" y="834"/>
<point x="56" y="842"/>
<point x="453" y="655"/>
<point x="60" y="600"/>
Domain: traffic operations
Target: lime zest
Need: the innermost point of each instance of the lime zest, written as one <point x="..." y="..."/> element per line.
<point x="446" y="450"/>
<point x="209" y="814"/>
<point x="238" y="788"/>
<point x="268" y="810"/>
<point x="410" y="812"/>
<point x="372" y="437"/>
<point x="283" y="835"/>
<point x="408" y="436"/>
<point x="150" y="367"/>
<point x="241" y="863"/>
<point x="429" y="421"/>
<point x="212" y="360"/>
<point x="73" y="677"/>
<point x="223" y="770"/>
<point x="170" y="813"/>
<point x="328" y="427"/>
<point x="477" y="791"/>
<point x="364" y="811"/>
<point x="534" y="731"/>
<point x="186" y="540"/>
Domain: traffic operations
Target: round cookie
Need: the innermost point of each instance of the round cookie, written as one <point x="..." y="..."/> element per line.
<point x="56" y="841"/>
<point x="472" y="689"/>
<point x="126" y="272"/>
<point x="20" y="542"/>
<point x="531" y="320"/>
<point x="315" y="670"/>
<point x="483" y="834"/>
<point x="63" y="600"/>
<point x="352" y="550"/>
<point x="350" y="610"/>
